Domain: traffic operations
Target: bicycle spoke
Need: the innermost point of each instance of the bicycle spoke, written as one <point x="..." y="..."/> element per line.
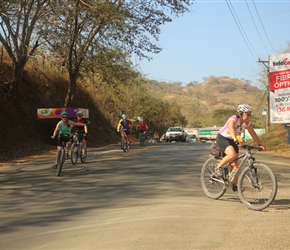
<point x="212" y="188"/>
<point x="74" y="154"/>
<point x="257" y="189"/>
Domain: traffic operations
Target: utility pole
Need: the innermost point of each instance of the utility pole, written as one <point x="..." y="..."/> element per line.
<point x="266" y="64"/>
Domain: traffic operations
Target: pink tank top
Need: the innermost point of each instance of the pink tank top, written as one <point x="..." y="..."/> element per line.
<point x="239" y="128"/>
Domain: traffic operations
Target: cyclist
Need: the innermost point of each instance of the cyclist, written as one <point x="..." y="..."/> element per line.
<point x="227" y="137"/>
<point x="156" y="136"/>
<point x="142" y="126"/>
<point x="64" y="127"/>
<point x="82" y="131"/>
<point x="125" y="124"/>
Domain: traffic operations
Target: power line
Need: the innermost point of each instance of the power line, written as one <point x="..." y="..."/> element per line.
<point x="263" y="26"/>
<point x="256" y="27"/>
<point x="245" y="38"/>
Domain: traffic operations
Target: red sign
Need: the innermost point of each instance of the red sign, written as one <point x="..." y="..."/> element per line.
<point x="279" y="80"/>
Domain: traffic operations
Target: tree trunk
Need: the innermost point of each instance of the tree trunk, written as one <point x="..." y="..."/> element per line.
<point x="18" y="69"/>
<point x="71" y="90"/>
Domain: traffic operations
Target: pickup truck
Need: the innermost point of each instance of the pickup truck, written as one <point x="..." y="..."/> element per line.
<point x="175" y="134"/>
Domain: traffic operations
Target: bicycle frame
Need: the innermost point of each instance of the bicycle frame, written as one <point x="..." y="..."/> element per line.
<point x="76" y="149"/>
<point x="60" y="157"/>
<point x="245" y="156"/>
<point x="142" y="137"/>
<point x="257" y="183"/>
<point x="125" y="144"/>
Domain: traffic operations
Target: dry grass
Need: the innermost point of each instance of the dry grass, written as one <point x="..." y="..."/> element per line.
<point x="276" y="140"/>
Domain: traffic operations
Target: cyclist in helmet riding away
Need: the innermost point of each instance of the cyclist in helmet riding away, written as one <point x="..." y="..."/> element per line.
<point x="142" y="126"/>
<point x="227" y="137"/>
<point x="64" y="127"/>
<point x="125" y="124"/>
<point x="82" y="130"/>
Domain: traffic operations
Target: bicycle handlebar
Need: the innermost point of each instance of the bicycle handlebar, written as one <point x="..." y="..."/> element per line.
<point x="251" y="147"/>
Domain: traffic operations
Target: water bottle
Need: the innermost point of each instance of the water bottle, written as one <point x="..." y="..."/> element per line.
<point x="233" y="173"/>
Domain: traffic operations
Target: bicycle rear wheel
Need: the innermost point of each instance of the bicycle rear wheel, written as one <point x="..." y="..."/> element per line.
<point x="142" y="139"/>
<point x="60" y="161"/>
<point x="257" y="188"/>
<point x="212" y="187"/>
<point x="74" y="153"/>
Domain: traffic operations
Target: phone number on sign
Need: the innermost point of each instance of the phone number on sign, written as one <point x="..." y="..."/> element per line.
<point x="282" y="99"/>
<point x="283" y="109"/>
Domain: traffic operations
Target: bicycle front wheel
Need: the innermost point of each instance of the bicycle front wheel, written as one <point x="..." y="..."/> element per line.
<point x="60" y="161"/>
<point x="213" y="188"/>
<point x="257" y="188"/>
<point x="74" y="153"/>
<point x="82" y="156"/>
<point x="122" y="142"/>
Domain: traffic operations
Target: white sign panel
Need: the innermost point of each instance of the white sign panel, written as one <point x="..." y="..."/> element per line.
<point x="279" y="84"/>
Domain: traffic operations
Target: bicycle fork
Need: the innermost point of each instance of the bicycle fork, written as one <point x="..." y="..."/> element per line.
<point x="253" y="176"/>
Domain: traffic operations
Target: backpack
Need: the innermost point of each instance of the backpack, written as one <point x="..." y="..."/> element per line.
<point x="215" y="150"/>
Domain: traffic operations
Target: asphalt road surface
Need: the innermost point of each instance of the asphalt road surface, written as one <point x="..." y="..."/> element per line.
<point x="147" y="198"/>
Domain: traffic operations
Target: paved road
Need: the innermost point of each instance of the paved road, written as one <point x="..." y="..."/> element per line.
<point x="147" y="198"/>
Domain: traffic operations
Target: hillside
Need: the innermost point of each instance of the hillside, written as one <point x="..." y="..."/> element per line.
<point x="23" y="135"/>
<point x="199" y="100"/>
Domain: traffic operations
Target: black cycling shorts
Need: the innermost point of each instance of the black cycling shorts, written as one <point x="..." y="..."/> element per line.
<point x="63" y="137"/>
<point x="224" y="142"/>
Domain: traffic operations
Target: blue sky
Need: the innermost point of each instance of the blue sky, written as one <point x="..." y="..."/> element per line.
<point x="208" y="42"/>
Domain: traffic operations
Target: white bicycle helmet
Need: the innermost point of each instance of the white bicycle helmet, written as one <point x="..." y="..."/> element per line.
<point x="244" y="108"/>
<point x="80" y="113"/>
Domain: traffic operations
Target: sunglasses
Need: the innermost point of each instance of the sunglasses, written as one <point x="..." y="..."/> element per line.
<point x="248" y="114"/>
<point x="64" y="117"/>
<point x="79" y="115"/>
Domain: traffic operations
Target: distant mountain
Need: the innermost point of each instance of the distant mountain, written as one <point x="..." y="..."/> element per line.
<point x="199" y="100"/>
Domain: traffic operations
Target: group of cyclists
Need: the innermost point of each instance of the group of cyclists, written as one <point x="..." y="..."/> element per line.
<point x="124" y="125"/>
<point x="79" y="126"/>
<point x="71" y="128"/>
<point x="226" y="138"/>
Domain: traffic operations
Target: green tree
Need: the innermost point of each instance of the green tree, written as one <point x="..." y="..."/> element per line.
<point x="18" y="20"/>
<point x="82" y="26"/>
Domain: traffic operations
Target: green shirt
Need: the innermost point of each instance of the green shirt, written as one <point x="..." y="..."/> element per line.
<point x="64" y="129"/>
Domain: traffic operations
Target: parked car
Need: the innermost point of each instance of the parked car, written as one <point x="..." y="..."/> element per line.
<point x="175" y="134"/>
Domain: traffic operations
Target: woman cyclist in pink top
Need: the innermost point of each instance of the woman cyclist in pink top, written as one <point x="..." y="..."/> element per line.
<point x="227" y="137"/>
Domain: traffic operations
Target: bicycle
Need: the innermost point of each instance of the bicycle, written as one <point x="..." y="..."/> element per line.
<point x="77" y="149"/>
<point x="142" y="137"/>
<point x="124" y="143"/>
<point x="257" y="184"/>
<point x="64" y="138"/>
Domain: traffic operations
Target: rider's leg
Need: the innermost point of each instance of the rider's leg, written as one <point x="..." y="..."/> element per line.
<point x="84" y="142"/>
<point x="128" y="139"/>
<point x="68" y="146"/>
<point x="231" y="155"/>
<point x="56" y="157"/>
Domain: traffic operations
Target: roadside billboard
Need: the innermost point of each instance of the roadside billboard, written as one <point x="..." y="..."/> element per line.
<point x="47" y="113"/>
<point x="259" y="131"/>
<point x="279" y="86"/>
<point x="208" y="134"/>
